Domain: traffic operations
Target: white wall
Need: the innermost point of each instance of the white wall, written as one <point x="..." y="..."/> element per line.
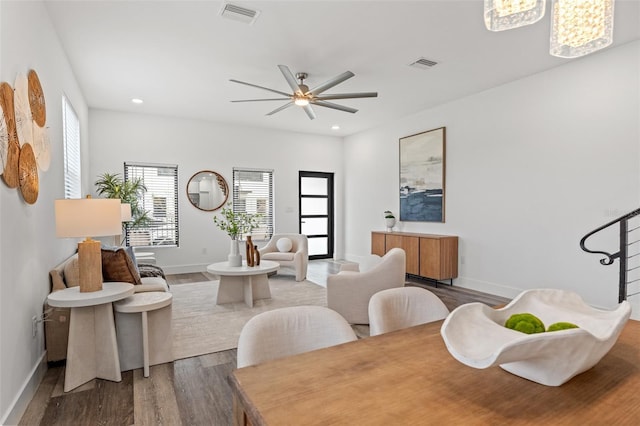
<point x="531" y="166"/>
<point x="28" y="246"/>
<point x="199" y="145"/>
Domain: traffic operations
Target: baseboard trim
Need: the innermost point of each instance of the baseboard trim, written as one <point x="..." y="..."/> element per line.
<point x="23" y="398"/>
<point x="185" y="269"/>
<point x="487" y="287"/>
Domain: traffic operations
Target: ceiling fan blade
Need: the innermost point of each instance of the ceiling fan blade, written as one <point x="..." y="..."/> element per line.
<point x="333" y="106"/>
<point x="258" y="100"/>
<point x="330" y="83"/>
<point x="348" y="95"/>
<point x="285" y="106"/>
<point x="309" y="111"/>
<point x="260" y="87"/>
<point x="291" y="80"/>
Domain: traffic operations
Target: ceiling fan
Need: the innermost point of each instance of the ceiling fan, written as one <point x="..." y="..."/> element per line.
<point x="305" y="97"/>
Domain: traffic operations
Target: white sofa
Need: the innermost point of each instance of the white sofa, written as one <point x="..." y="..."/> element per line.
<point x="297" y="257"/>
<point x="348" y="292"/>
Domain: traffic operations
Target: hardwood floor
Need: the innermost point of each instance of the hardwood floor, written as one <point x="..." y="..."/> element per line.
<point x="192" y="391"/>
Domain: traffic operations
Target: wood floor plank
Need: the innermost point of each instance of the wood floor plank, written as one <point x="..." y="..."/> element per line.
<point x="36" y="409"/>
<point x="154" y="400"/>
<point x="107" y="403"/>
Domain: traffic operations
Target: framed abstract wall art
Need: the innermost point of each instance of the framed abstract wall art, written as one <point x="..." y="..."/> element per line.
<point x="422" y="174"/>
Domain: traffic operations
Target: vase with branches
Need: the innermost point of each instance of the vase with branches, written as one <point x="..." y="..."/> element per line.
<point x="236" y="225"/>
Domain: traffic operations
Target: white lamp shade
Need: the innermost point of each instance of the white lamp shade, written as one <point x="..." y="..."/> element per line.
<point x="125" y="212"/>
<point x="88" y="217"/>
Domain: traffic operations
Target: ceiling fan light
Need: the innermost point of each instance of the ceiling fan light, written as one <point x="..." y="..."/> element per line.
<point x="500" y="15"/>
<point x="580" y="27"/>
<point x="301" y="101"/>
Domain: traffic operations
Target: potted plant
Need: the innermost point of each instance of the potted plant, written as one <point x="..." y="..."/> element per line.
<point x="235" y="225"/>
<point x="112" y="185"/>
<point x="390" y="220"/>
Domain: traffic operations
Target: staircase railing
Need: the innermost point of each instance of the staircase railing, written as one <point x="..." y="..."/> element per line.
<point x="629" y="250"/>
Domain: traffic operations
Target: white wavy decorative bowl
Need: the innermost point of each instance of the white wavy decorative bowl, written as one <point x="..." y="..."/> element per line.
<point x="475" y="335"/>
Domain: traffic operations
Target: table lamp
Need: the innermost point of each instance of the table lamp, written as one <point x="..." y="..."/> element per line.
<point x="125" y="216"/>
<point x="88" y="218"/>
<point x="125" y="212"/>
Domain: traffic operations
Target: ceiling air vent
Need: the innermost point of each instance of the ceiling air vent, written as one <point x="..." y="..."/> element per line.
<point x="423" y="63"/>
<point x="239" y="13"/>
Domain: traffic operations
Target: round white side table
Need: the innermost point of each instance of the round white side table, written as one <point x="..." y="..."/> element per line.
<point x="92" y="350"/>
<point x="143" y="303"/>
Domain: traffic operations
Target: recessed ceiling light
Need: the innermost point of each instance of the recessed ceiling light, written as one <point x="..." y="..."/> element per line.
<point x="137" y="101"/>
<point x="335" y="127"/>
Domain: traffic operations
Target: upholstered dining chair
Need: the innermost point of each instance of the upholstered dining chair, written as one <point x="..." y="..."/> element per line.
<point x="398" y="308"/>
<point x="290" y="331"/>
<point x="289" y="250"/>
<point x="348" y="292"/>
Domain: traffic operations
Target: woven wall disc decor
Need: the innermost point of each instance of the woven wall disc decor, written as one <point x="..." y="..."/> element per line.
<point x="42" y="147"/>
<point x="36" y="99"/>
<point x="28" y="171"/>
<point x="4" y="141"/>
<point x="10" y="170"/>
<point x="24" y="121"/>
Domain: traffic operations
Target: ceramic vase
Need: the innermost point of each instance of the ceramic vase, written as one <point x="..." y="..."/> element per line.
<point x="391" y="222"/>
<point x="235" y="259"/>
<point x="250" y="256"/>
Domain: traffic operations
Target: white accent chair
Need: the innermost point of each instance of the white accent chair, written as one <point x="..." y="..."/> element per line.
<point x="398" y="308"/>
<point x="290" y="331"/>
<point x="348" y="292"/>
<point x="296" y="258"/>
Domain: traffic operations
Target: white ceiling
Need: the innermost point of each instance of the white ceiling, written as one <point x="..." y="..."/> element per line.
<point x="179" y="56"/>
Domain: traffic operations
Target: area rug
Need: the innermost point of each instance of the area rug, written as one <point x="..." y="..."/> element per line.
<point x="200" y="326"/>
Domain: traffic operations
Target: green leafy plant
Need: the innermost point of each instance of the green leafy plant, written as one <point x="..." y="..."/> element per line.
<point x="112" y="185"/>
<point x="236" y="224"/>
<point x="388" y="215"/>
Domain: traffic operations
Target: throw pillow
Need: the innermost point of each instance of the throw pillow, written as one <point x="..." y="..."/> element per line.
<point x="129" y="251"/>
<point x="132" y="255"/>
<point x="117" y="265"/>
<point x="57" y="283"/>
<point x="72" y="272"/>
<point x="284" y="245"/>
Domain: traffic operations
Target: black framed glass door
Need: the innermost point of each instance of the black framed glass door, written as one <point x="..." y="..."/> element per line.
<point x="316" y="212"/>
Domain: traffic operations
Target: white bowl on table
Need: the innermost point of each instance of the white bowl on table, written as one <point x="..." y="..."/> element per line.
<point x="476" y="336"/>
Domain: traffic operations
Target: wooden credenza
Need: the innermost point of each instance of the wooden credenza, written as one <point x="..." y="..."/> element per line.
<point x="428" y="255"/>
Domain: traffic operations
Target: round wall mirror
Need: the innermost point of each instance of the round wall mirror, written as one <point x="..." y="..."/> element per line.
<point x="207" y="190"/>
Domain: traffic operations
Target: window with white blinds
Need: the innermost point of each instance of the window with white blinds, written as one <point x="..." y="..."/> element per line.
<point x="253" y="194"/>
<point x="71" y="141"/>
<point x="160" y="201"/>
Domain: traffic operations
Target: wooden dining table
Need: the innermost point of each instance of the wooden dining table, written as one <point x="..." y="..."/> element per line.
<point x="408" y="377"/>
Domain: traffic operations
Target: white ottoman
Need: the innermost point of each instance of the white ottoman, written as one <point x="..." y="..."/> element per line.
<point x="143" y="328"/>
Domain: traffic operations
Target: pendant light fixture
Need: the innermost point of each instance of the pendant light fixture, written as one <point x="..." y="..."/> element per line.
<point x="580" y="27"/>
<point x="500" y="15"/>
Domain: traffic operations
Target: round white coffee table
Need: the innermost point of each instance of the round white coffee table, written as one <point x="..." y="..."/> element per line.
<point x="238" y="283"/>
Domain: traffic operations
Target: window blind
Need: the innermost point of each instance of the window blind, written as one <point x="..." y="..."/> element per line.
<point x="71" y="142"/>
<point x="253" y="194"/>
<point x="160" y="201"/>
